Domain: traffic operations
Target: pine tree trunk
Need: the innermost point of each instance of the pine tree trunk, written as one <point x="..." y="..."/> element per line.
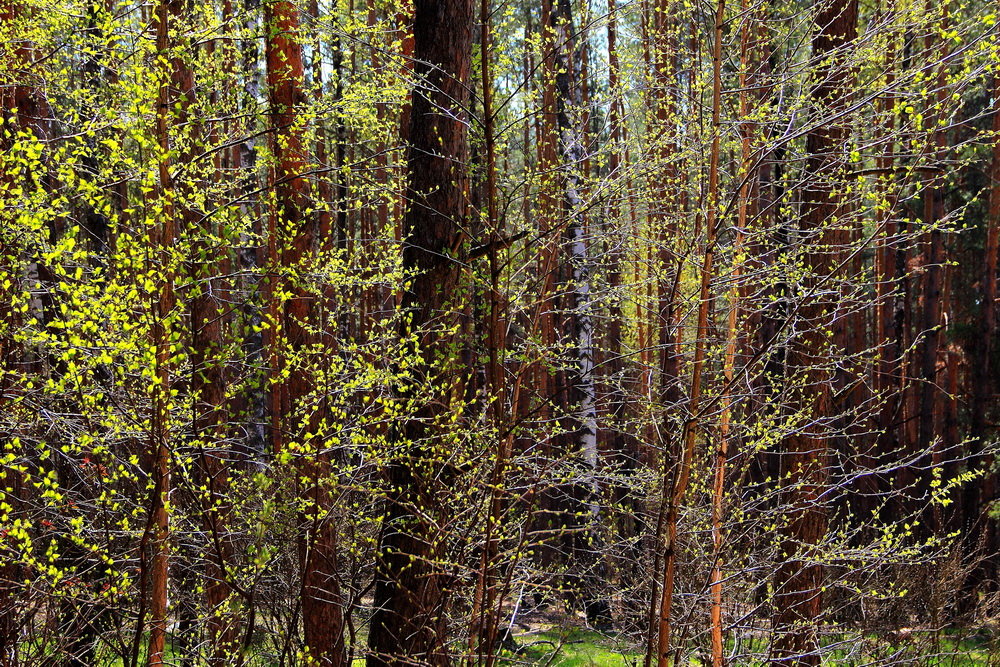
<point x="162" y="238"/>
<point x="23" y="108"/>
<point x="660" y="53"/>
<point x="292" y="242"/>
<point x="410" y="596"/>
<point x="745" y="210"/>
<point x="984" y="385"/>
<point x="626" y="381"/>
<point x="932" y="285"/>
<point x="805" y="462"/>
<point x="983" y="495"/>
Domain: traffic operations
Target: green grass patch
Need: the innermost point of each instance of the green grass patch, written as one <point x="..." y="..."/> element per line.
<point x="573" y="647"/>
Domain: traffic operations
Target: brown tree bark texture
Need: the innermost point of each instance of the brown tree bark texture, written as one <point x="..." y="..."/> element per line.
<point x="805" y="467"/>
<point x="410" y="597"/>
<point x="162" y="237"/>
<point x="291" y="244"/>
<point x="32" y="112"/>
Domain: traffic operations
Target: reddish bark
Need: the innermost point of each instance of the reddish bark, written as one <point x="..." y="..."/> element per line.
<point x="292" y="242"/>
<point x="983" y="391"/>
<point x="745" y="209"/>
<point x="410" y="596"/>
<point x="209" y="377"/>
<point x="932" y="286"/>
<point x="488" y="597"/>
<point x="890" y="264"/>
<point x="660" y="55"/>
<point x="982" y="496"/>
<point x="678" y="486"/>
<point x="805" y="460"/>
<point x="162" y="237"/>
<point x="32" y="113"/>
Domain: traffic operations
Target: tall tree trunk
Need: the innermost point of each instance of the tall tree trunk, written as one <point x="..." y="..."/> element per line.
<point x="576" y="327"/>
<point x="888" y="274"/>
<point x="679" y="485"/>
<point x="982" y="496"/>
<point x="627" y="382"/>
<point x="209" y="371"/>
<point x="207" y="376"/>
<point x="24" y="107"/>
<point x="805" y="463"/>
<point x="661" y="58"/>
<point x="410" y="597"/>
<point x="933" y="275"/>
<point x="292" y="241"/>
<point x="488" y="596"/>
<point x="907" y="338"/>
<point x="745" y="210"/>
<point x="984" y="383"/>
<point x="163" y="236"/>
<point x="550" y="380"/>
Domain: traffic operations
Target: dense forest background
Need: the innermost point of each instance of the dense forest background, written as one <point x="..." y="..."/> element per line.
<point x="343" y="330"/>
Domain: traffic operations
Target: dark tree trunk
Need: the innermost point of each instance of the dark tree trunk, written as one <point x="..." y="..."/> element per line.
<point x="410" y="597"/>
<point x="890" y="267"/>
<point x="932" y="443"/>
<point x="575" y="328"/>
<point x="24" y="107"/>
<point x="209" y="380"/>
<point x="984" y="378"/>
<point x="624" y="386"/>
<point x="805" y="459"/>
<point x="932" y="286"/>
<point x="980" y="497"/>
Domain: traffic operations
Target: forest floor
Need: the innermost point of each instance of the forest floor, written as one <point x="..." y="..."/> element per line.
<point x="584" y="648"/>
<point x="552" y="641"/>
<point x="560" y="640"/>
